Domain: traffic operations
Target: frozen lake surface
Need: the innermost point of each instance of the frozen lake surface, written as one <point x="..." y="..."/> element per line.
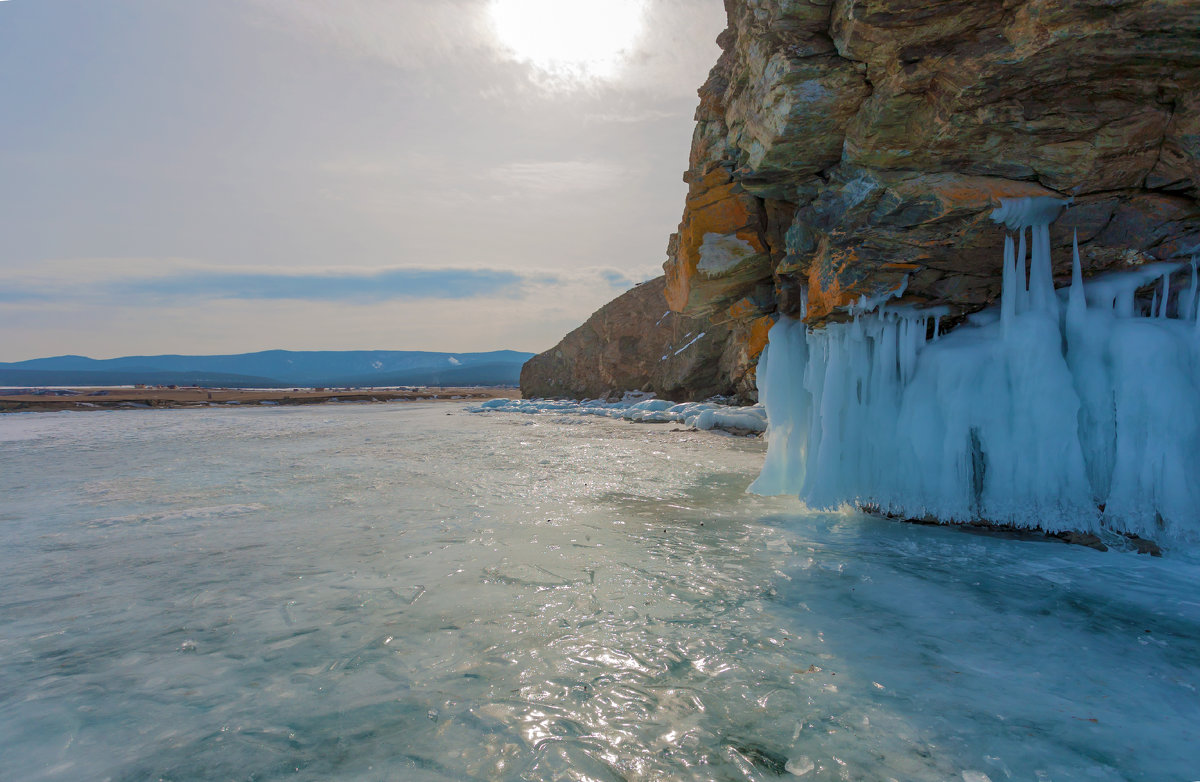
<point x="413" y="592"/>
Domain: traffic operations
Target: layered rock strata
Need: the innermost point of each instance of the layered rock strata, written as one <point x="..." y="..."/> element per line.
<point x="636" y="343"/>
<point x="872" y="139"/>
<point x="856" y="148"/>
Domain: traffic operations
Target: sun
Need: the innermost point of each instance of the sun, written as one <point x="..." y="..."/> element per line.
<point x="569" y="41"/>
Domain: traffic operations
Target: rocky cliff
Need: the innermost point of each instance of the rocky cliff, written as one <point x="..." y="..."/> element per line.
<point x="857" y="148"/>
<point x="636" y="343"/>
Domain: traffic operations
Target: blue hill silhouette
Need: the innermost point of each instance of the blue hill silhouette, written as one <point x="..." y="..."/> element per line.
<point x="276" y="369"/>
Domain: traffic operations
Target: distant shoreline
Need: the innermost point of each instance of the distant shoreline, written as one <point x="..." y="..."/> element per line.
<point x="29" y="400"/>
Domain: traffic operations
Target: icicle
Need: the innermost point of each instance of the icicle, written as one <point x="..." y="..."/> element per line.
<point x="993" y="421"/>
<point x="912" y="339"/>
<point x="1196" y="296"/>
<point x="1041" y="279"/>
<point x="1123" y="303"/>
<point x="1036" y="213"/>
<point x="1193" y="295"/>
<point x="1077" y="302"/>
<point x="1022" y="287"/>
<point x="1008" y="285"/>
<point x="1035" y="210"/>
<point x="937" y="327"/>
<point x="1153" y="305"/>
<point x="1076" y="266"/>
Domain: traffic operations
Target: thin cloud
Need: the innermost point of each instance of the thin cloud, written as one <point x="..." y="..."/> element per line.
<point x="21" y="296"/>
<point x="135" y="280"/>
<point x="387" y="284"/>
<point x="424" y="35"/>
<point x="126" y="279"/>
<point x="634" y="117"/>
<point x="555" y="177"/>
<point x="534" y="315"/>
<point x="620" y="280"/>
<point x="411" y="35"/>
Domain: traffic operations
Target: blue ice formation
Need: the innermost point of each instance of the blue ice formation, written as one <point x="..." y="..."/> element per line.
<point x="1076" y="409"/>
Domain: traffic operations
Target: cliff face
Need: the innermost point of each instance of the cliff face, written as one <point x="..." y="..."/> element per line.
<point x="857" y="147"/>
<point x="868" y="141"/>
<point x="635" y="343"/>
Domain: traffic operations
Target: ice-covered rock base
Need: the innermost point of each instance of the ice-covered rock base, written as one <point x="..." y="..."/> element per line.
<point x="1076" y="409"/>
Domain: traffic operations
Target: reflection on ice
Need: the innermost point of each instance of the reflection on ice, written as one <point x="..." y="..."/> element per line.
<point x="420" y="596"/>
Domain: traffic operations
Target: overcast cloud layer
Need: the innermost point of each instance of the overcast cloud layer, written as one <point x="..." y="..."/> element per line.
<point x="237" y="175"/>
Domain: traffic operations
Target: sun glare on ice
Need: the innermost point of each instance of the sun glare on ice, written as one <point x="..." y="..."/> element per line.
<point x="569" y="41"/>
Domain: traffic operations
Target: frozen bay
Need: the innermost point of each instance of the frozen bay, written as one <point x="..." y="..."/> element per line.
<point x="413" y="592"/>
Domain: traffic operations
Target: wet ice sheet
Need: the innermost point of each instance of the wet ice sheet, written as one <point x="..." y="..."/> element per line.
<point x="382" y="593"/>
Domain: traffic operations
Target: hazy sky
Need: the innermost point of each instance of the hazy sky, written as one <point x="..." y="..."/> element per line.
<point x="211" y="176"/>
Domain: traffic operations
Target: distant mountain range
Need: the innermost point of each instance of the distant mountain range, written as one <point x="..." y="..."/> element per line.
<point x="275" y="369"/>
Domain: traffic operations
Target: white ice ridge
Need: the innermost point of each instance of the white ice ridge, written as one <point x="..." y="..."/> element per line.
<point x="1075" y="409"/>
<point x="701" y="415"/>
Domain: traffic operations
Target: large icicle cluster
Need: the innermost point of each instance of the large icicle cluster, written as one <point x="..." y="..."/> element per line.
<point x="1069" y="409"/>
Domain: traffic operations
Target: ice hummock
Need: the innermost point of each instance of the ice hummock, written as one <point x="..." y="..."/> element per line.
<point x="701" y="415"/>
<point x="1075" y="409"/>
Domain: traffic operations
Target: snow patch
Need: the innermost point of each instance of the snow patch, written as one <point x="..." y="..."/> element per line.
<point x="721" y="253"/>
<point x="688" y="345"/>
<point x="1020" y="213"/>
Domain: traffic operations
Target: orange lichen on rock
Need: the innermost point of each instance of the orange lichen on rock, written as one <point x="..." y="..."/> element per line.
<point x="759" y="328"/>
<point x="741" y="309"/>
<point x="826" y="281"/>
<point x="678" y="286"/>
<point x="824" y="301"/>
<point x="956" y="192"/>
<point x="716" y="207"/>
<point x="939" y="202"/>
